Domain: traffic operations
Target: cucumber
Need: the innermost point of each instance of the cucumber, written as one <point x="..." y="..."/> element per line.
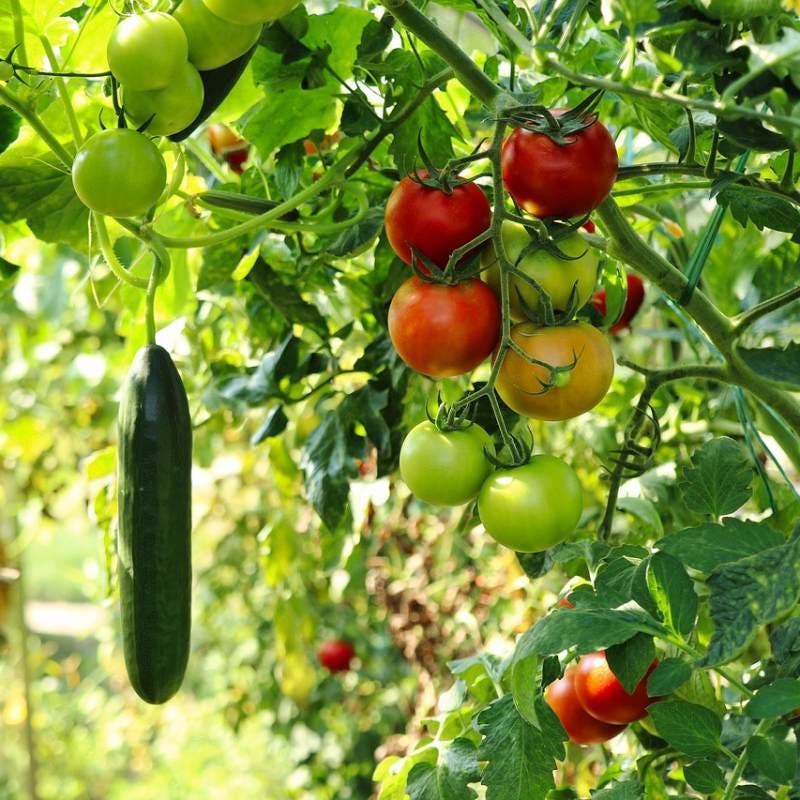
<point x="217" y="84"/>
<point x="155" y="520"/>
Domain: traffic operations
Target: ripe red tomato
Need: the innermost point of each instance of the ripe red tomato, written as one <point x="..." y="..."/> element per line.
<point x="603" y="696"/>
<point x="633" y="303"/>
<point x="432" y="221"/>
<point x="560" y="180"/>
<point x="336" y="654"/>
<point x="589" y="226"/>
<point x="580" y="726"/>
<point x="520" y="383"/>
<point x="227" y="145"/>
<point x="443" y="331"/>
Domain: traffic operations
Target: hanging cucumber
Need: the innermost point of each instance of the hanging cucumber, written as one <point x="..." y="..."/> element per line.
<point x="218" y="84"/>
<point x="154" y="544"/>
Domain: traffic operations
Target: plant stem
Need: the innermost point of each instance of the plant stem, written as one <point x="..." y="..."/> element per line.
<point x="32" y="118"/>
<point x="150" y="316"/>
<point x="741" y="763"/>
<point x="114" y="264"/>
<point x="19" y="30"/>
<point x="63" y="93"/>
<point x="745" y="320"/>
<point x="470" y="75"/>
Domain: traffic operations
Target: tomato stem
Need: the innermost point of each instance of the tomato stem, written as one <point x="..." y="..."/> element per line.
<point x="61" y="86"/>
<point x="114" y="264"/>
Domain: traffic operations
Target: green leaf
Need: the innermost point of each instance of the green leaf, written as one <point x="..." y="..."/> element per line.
<point x="10" y="123"/>
<point x="776" y="699"/>
<point x="521" y="758"/>
<point x="447" y="780"/>
<point x="630" y="660"/>
<point x="719" y="481"/>
<point x="626" y="790"/>
<point x="782" y="366"/>
<point x="785" y="641"/>
<point x="629" y="12"/>
<point x="704" y="776"/>
<point x="762" y="209"/>
<point x="274" y="423"/>
<point x="613" y="581"/>
<point x="673" y="592"/>
<point x="524" y="687"/>
<point x="585" y="629"/>
<point x="8" y="276"/>
<point x="750" y="134"/>
<point x="749" y="594"/>
<point x="707" y="546"/>
<point x="643" y="510"/>
<point x="220" y="262"/>
<point x="358" y="236"/>
<point x="669" y="675"/>
<point x="692" y="729"/>
<point x="775" y="759"/>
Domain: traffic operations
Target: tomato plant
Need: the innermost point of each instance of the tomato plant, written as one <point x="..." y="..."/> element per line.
<point x="552" y="179"/>
<point x="250" y="12"/>
<point x="531" y="507"/>
<point x="213" y="42"/>
<point x="119" y="173"/>
<point x="604" y="697"/>
<point x="557" y="276"/>
<point x="434" y="222"/>
<point x="633" y="302"/>
<point x="540" y="390"/>
<point x="582" y="728"/>
<point x="146" y="51"/>
<point x="445" y="467"/>
<point x="442" y="330"/>
<point x="336" y="654"/>
<point x="170" y="109"/>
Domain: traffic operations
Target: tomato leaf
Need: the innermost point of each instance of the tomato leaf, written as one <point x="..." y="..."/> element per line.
<point x="719" y="480"/>
<point x="521" y="758"/>
<point x="775" y="759"/>
<point x="763" y="210"/>
<point x="706" y="546"/>
<point x="10" y="123"/>
<point x="668" y="676"/>
<point x="692" y="729"/>
<point x="673" y="592"/>
<point x="776" y="699"/>
<point x="631" y="789"/>
<point x="778" y="365"/>
<point x="448" y="779"/>
<point x="523" y="687"/>
<point x="630" y="660"/>
<point x="704" y="776"/>
<point x="749" y="594"/>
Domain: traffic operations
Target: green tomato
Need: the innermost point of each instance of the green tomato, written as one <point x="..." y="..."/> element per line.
<point x="533" y="507"/>
<point x="556" y="276"/>
<point x="6" y="71"/>
<point x="172" y="108"/>
<point x="248" y="12"/>
<point x="119" y="172"/>
<point x="446" y="468"/>
<point x="146" y="51"/>
<point x="213" y="42"/>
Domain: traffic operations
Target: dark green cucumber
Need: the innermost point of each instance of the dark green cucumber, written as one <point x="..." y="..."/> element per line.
<point x="155" y="521"/>
<point x="218" y="84"/>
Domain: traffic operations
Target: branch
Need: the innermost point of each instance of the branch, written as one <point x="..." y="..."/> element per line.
<point x="745" y="320"/>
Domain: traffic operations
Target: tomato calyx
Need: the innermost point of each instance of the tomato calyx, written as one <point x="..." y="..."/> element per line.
<point x="561" y="128"/>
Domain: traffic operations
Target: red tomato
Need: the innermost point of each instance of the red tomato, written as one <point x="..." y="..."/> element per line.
<point x="603" y="696"/>
<point x="560" y="180"/>
<point x="335" y="655"/>
<point x="580" y="726"/>
<point x="443" y="331"/>
<point x="589" y="226"/>
<point x="432" y="221"/>
<point x="633" y="303"/>
<point x="228" y="146"/>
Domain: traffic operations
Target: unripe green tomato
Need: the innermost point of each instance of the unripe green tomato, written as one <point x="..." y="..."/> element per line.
<point x="171" y="108"/>
<point x="6" y="71"/>
<point x="213" y="42"/>
<point x="119" y="173"/>
<point x="556" y="276"/>
<point x="445" y="468"/>
<point x="532" y="507"/>
<point x="249" y="12"/>
<point x="146" y="51"/>
<point x="737" y="10"/>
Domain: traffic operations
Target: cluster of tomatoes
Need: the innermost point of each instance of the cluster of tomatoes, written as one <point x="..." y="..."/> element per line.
<point x="162" y="63"/>
<point x="443" y="329"/>
<point x="592" y="705"/>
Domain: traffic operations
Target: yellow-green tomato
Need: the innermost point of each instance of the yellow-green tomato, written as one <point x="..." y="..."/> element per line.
<point x="170" y="109"/>
<point x="446" y="468"/>
<point x="532" y="507"/>
<point x="213" y="41"/>
<point x="146" y="51"/>
<point x="556" y="276"/>
<point x="248" y="12"/>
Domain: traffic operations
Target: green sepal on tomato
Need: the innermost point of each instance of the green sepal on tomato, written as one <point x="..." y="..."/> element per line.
<point x="533" y="507"/>
<point x="119" y="173"/>
<point x="582" y="728"/>
<point x="533" y="391"/>
<point x="250" y="12"/>
<point x="444" y="330"/>
<point x="445" y="467"/>
<point x="434" y="222"/>
<point x="556" y="276"/>
<point x="551" y="179"/>
<point x="146" y="51"/>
